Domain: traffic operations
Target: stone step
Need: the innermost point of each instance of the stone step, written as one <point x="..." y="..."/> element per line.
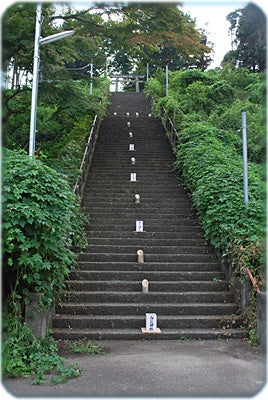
<point x="147" y="189"/>
<point x="122" y="257"/>
<point x="134" y="266"/>
<point x="138" y="214"/>
<point x="150" y="170"/>
<point x="147" y="249"/>
<point x="150" y="141"/>
<point x="141" y="241"/>
<point x="115" y="159"/>
<point x="143" y="308"/>
<point x="126" y="200"/>
<point x="104" y="204"/>
<point x="154" y="286"/>
<point x="150" y="227"/>
<point x="149" y="179"/>
<point x="189" y="234"/>
<point x="151" y="297"/>
<point x="139" y="321"/>
<point x="140" y="209"/>
<point x="130" y="228"/>
<point x="159" y="165"/>
<point x="132" y="187"/>
<point x="162" y="221"/>
<point x="145" y="183"/>
<point x="124" y="153"/>
<point x="136" y="334"/>
<point x="150" y="275"/>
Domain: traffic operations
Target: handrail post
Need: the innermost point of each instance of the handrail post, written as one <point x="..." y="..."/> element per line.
<point x="253" y="281"/>
<point x="170" y="128"/>
<point x="86" y="159"/>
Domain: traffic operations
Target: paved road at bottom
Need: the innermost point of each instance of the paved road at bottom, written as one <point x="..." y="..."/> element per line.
<point x="159" y="368"/>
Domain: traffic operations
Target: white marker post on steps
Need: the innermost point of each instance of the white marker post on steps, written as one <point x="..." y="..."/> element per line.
<point x="128" y="124"/>
<point x="151" y="324"/>
<point x="139" y="226"/>
<point x="137" y="199"/>
<point x="133" y="160"/>
<point x="131" y="147"/>
<point x="140" y="256"/>
<point x="145" y="286"/>
<point x="133" y="177"/>
<point x="130" y="134"/>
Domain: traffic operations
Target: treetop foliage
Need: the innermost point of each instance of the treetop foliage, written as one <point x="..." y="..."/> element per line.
<point x="142" y="31"/>
<point x="248" y="29"/>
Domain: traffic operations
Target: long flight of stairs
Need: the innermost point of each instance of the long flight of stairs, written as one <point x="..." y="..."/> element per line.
<point x="187" y="289"/>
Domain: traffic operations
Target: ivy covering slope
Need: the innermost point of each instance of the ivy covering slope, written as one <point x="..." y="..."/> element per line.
<point x="206" y="108"/>
<point x="41" y="223"/>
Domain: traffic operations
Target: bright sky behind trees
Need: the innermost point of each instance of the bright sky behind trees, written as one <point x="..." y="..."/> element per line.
<point x="211" y="16"/>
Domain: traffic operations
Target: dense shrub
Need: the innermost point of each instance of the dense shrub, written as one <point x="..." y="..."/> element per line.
<point x="187" y="77"/>
<point x="196" y="99"/>
<point x="41" y="224"/>
<point x="212" y="169"/>
<point x="206" y="109"/>
<point x="221" y="92"/>
<point x="230" y="118"/>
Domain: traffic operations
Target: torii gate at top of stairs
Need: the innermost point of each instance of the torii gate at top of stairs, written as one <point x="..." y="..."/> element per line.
<point x="127" y="78"/>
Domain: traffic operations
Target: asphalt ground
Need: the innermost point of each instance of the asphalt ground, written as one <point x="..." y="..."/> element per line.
<point x="158" y="368"/>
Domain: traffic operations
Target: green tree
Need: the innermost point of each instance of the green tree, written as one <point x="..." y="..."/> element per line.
<point x="158" y="34"/>
<point x="248" y="29"/>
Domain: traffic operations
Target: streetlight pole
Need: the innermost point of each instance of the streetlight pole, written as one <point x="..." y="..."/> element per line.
<point x="35" y="80"/>
<point x="38" y="40"/>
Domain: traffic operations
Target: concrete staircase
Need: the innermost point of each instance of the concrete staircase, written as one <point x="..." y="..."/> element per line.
<point x="187" y="289"/>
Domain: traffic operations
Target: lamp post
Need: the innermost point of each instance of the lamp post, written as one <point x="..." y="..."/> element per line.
<point x="38" y="40"/>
